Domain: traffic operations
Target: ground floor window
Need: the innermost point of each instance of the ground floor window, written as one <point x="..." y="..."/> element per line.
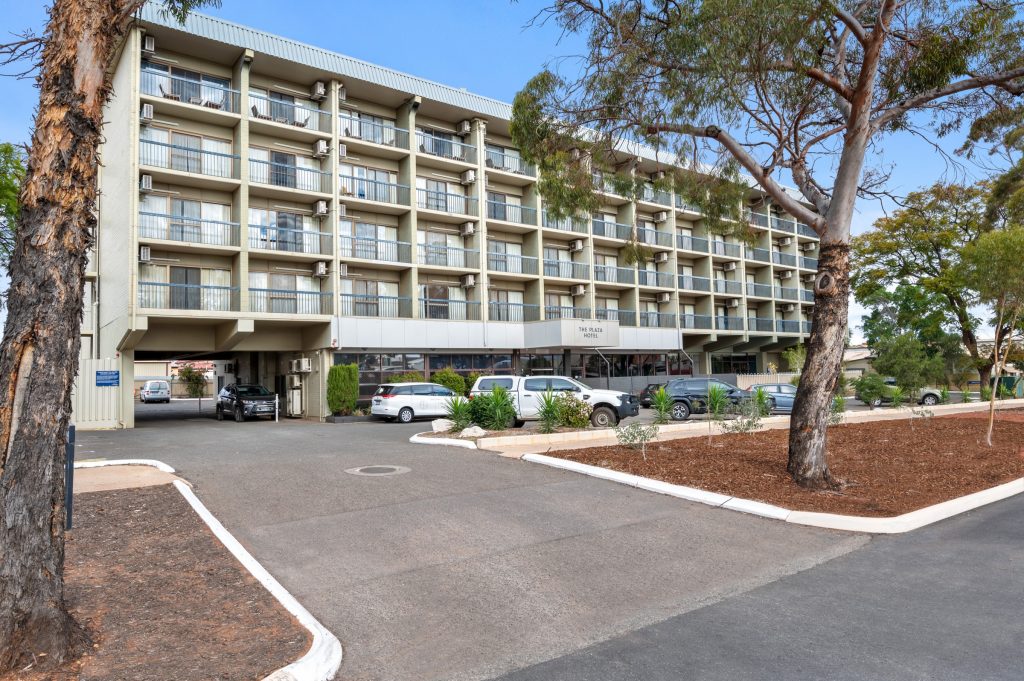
<point x="592" y="365"/>
<point x="377" y="368"/>
<point x="733" y="364"/>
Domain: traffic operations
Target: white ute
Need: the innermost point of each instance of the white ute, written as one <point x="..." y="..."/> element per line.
<point x="610" y="406"/>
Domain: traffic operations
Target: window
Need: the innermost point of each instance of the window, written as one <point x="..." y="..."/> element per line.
<point x="506" y="306"/>
<point x="506" y="256"/>
<point x="441" y="391"/>
<point x="185" y="85"/>
<point x="422" y="389"/>
<point x="441" y="247"/>
<point x="440" y="195"/>
<point x="372" y="184"/>
<point x="368" y="127"/>
<point x="491" y="383"/>
<point x="562" y="385"/>
<point x="280" y="230"/>
<point x="538" y="385"/>
<point x="368" y="240"/>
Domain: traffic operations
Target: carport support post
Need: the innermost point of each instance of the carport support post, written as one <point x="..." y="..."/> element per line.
<point x="277" y="398"/>
<point x="69" y="476"/>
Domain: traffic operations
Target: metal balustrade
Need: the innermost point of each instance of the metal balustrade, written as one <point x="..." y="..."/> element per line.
<point x="374" y="190"/>
<point x="808" y="263"/>
<point x="728" y="286"/>
<point x="288" y="301"/>
<point x="451" y="310"/>
<point x="653" y="237"/>
<point x="445" y="148"/>
<point x="497" y="160"/>
<point x="566" y="312"/>
<point x="189" y="91"/>
<point x="270" y="238"/>
<point x="806" y="295"/>
<point x="445" y="202"/>
<point x="566" y="269"/>
<point x="303" y="116"/>
<point x="657" y="320"/>
<point x="188" y="230"/>
<point x="161" y="296"/>
<point x="787" y="293"/>
<point x="805" y="327"/>
<point x="290" y="176"/>
<point x="576" y="225"/>
<point x="760" y="324"/>
<point x="692" y="243"/>
<point x="188" y="159"/>
<point x="758" y="219"/>
<point x="783" y="225"/>
<point x="780" y="258"/>
<point x="683" y="204"/>
<point x="511" y="212"/>
<point x="610" y="230"/>
<point x="652" y="278"/>
<point x="385" y="134"/>
<point x="695" y="321"/>
<point x="658" y="196"/>
<point x="384" y="307"/>
<point x="512" y="312"/>
<point x="614" y="275"/>
<point x="787" y="326"/>
<point x="805" y="230"/>
<point x="447" y="256"/>
<point x="759" y="290"/>
<point x="729" y="323"/>
<point x="759" y="254"/>
<point x="623" y="317"/>
<point x="512" y="264"/>
<point x="725" y="248"/>
<point x="381" y="250"/>
<point x="691" y="283"/>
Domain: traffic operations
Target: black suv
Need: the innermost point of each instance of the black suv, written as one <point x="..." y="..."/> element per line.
<point x="243" y="401"/>
<point x="690" y="395"/>
<point x="647" y="394"/>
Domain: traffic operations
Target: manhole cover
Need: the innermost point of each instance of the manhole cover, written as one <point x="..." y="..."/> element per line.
<point x="378" y="470"/>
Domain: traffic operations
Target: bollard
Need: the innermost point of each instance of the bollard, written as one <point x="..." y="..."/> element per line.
<point x="69" y="477"/>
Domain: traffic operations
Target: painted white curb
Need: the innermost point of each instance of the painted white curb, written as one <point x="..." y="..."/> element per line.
<point x="446" y="441"/>
<point x="893" y="525"/>
<point x="323" y="658"/>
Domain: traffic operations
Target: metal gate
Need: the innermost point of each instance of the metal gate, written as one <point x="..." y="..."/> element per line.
<point x="96" y="396"/>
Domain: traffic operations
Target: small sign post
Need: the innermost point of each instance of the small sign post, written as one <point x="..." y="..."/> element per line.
<point x="69" y="477"/>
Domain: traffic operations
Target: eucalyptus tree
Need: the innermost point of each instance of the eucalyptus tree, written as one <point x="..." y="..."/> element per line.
<point x="72" y="60"/>
<point x="783" y="91"/>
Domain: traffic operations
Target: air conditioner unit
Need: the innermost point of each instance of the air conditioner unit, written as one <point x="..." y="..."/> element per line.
<point x="144" y="254"/>
<point x="229" y="368"/>
<point x="318" y="92"/>
<point x="467" y="229"/>
<point x="294" y="381"/>
<point x="576" y="245"/>
<point x="320" y="209"/>
<point x="321" y="148"/>
<point x="785" y="241"/>
<point x="661" y="257"/>
<point x="785" y="275"/>
<point x="342" y="93"/>
<point x="735" y="302"/>
<point x="468" y="280"/>
<point x="146" y="184"/>
<point x="342" y="151"/>
<point x="661" y="216"/>
<point x="146" y="114"/>
<point x="658" y="176"/>
<point x="578" y="290"/>
<point x="729" y="267"/>
<point x="809" y="246"/>
<point x="464" y="128"/>
<point x="664" y="297"/>
<point x="788" y="307"/>
<point x="807" y="278"/>
<point x="320" y="269"/>
<point x="303" y="365"/>
<point x="469" y="177"/>
<point x="148" y="45"/>
<point x="342" y="269"/>
<point x="342" y="210"/>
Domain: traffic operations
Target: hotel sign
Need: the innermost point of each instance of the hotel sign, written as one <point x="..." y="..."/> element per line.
<point x="592" y="334"/>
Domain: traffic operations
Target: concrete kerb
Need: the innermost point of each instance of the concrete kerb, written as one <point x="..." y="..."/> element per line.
<point x="323" y="658"/>
<point x="418" y="439"/>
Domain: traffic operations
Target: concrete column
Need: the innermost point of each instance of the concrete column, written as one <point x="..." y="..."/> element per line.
<point x="478" y="138"/>
<point x="240" y="80"/>
<point x="408" y="223"/>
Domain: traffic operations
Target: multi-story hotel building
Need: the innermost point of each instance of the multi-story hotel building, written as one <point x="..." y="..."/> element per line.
<point x="264" y="201"/>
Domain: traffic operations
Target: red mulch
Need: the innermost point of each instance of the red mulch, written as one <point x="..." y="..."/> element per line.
<point x="887" y="468"/>
<point x="161" y="598"/>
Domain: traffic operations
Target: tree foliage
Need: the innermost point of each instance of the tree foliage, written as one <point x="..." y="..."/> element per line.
<point x="449" y="379"/>
<point x="906" y="359"/>
<point x="342" y="388"/>
<point x="194" y="380"/>
<point x="12" y="172"/>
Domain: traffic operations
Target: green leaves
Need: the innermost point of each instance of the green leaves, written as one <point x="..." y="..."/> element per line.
<point x="12" y="172"/>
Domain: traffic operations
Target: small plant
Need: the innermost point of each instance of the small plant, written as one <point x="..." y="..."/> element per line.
<point x="572" y="411"/>
<point x="1004" y="392"/>
<point x="548" y="413"/>
<point x="661" y="402"/>
<point x="499" y="412"/>
<point x="922" y="414"/>
<point x="965" y="396"/>
<point x="449" y="379"/>
<point x="718" y="403"/>
<point x="986" y="394"/>
<point x="837" y="412"/>
<point x="748" y="418"/>
<point x="459" y="413"/>
<point x="871" y="389"/>
<point x="898" y="396"/>
<point x="944" y="395"/>
<point x="636" y="436"/>
<point x="762" y="401"/>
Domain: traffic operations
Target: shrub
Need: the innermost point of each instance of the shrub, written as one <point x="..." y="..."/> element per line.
<point x="762" y="401"/>
<point x="1004" y="392"/>
<point x="748" y="417"/>
<point x="842" y="383"/>
<point x="837" y="412"/>
<point x="636" y="435"/>
<point x="459" y="413"/>
<point x="986" y="394"/>
<point x="572" y="411"/>
<point x="342" y="388"/>
<point x="871" y="389"/>
<point x="194" y="380"/>
<point x="407" y="377"/>
<point x="944" y="395"/>
<point x="449" y="379"/>
<point x="898" y="396"/>
<point x="718" y="403"/>
<point x="548" y="413"/>
<point x="965" y="396"/>
<point x="662" y="405"/>
<point x="498" y="411"/>
<point x="478" y="408"/>
<point x="795" y="358"/>
<point x="471" y="381"/>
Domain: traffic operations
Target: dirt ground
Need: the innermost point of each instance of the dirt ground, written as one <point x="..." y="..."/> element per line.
<point x="161" y="598"/>
<point x="886" y="468"/>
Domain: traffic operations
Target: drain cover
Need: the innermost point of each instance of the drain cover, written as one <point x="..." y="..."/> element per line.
<point x="378" y="470"/>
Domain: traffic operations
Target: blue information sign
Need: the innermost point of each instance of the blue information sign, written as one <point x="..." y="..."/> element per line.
<point x="108" y="379"/>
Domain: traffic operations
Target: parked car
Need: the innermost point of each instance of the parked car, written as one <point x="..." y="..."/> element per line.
<point x="245" y="401"/>
<point x="926" y="396"/>
<point x="155" y="391"/>
<point x="609" y="406"/>
<point x="690" y="396"/>
<point x="406" y="401"/>
<point x="783" y="395"/>
<point x="647" y="394"/>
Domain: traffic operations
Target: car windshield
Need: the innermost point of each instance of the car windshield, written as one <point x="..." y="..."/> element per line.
<point x="582" y="384"/>
<point x="252" y="391"/>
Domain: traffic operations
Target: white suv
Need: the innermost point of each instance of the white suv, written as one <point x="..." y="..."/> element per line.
<point x="406" y="401"/>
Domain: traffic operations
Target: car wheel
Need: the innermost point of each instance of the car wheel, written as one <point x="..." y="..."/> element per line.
<point x="877" y="402"/>
<point x="405" y="415"/>
<point x="239" y="415"/>
<point x="603" y="417"/>
<point x="929" y="400"/>
<point x="220" y="413"/>
<point x="518" y="423"/>
<point x="680" y="411"/>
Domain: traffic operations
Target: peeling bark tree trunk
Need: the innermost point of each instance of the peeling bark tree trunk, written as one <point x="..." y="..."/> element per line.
<point x="39" y="355"/>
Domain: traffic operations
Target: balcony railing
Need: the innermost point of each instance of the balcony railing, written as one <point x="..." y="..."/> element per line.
<point x="374" y="190"/>
<point x="760" y="324"/>
<point x="566" y="269"/>
<point x="288" y="113"/>
<point x="446" y="203"/>
<point x="187" y="159"/>
<point x="651" y="278"/>
<point x="614" y="275"/>
<point x="654" y="237"/>
<point x="805" y="327"/>
<point x="381" y="250"/>
<point x="384" y="134"/>
<point x="445" y="148"/>
<point x="290" y="176"/>
<point x="787" y="326"/>
<point x="188" y="230"/>
<point x="452" y="310"/>
<point x="510" y="164"/>
<point x="286" y="301"/>
<point x="511" y="212"/>
<point x="691" y="283"/>
<point x="759" y="290"/>
<point x="806" y="295"/>
<point x="197" y="92"/>
<point x="728" y="286"/>
<point x="611" y="230"/>
<point x="682" y="204"/>
<point x="603" y="184"/>
<point x="658" y="196"/>
<point x="805" y="230"/>
<point x="725" y="248"/>
<point x="266" y="238"/>
<point x="563" y="312"/>
<point x="623" y="317"/>
<point x="692" y="243"/>
<point x="758" y="219"/>
<point x="728" y="323"/>
<point x="695" y="321"/>
<point x="384" y="307"/>
<point x="658" y="320"/>
<point x="576" y="225"/>
<point x="512" y="312"/>
<point x="513" y="264"/>
<point x="808" y="263"/>
<point x="759" y="254"/>
<point x="786" y="293"/>
<point x="783" y="225"/>
<point x="780" y="258"/>
<point x="447" y="256"/>
<point x="160" y="296"/>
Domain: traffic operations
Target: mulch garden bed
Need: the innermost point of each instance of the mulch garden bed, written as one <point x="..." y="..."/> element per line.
<point x="161" y="598"/>
<point x="887" y="468"/>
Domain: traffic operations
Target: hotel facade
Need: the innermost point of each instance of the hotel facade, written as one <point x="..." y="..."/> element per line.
<point x="283" y="208"/>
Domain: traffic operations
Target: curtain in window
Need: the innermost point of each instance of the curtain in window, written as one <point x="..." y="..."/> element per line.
<point x="218" y="295"/>
<point x="153" y="216"/>
<point x="154" y="148"/>
<point x="217" y="161"/>
<point x="308" y="173"/>
<point x="186" y="153"/>
<point x="259" y="165"/>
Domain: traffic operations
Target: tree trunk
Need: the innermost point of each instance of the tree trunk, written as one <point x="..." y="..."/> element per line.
<point x="809" y="422"/>
<point x="39" y="355"/>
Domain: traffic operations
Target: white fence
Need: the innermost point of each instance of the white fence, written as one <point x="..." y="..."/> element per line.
<point x="744" y="381"/>
<point x="94" y="407"/>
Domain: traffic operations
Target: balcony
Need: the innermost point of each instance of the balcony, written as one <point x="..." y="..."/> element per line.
<point x="786" y="293"/>
<point x="511" y="264"/>
<point x="653" y="237"/>
<point x="289" y="176"/>
<point x="511" y="212"/>
<point x="728" y="286"/>
<point x="759" y="290"/>
<point x="288" y="114"/>
<point x="783" y="225"/>
<point x="657" y="320"/>
<point x="758" y="254"/>
<point x="623" y="317"/>
<point x="805" y="327"/>
<point x="287" y="301"/>
<point x="808" y="263"/>
<point x="382" y="307"/>
<point x="614" y="275"/>
<point x="658" y="196"/>
<point x="692" y="243"/>
<point x="787" y="326"/>
<point x="188" y="159"/>
<point x="695" y="321"/>
<point x="690" y="283"/>
<point x="806" y="295"/>
<point x="652" y="278"/>
<point x="430" y="255"/>
<point x="281" y="239"/>
<point x="384" y="134"/>
<point x="450" y="310"/>
<point x="374" y="190"/>
<point x="496" y="160"/>
<point x="610" y="230"/>
<point x="728" y="323"/>
<point x="760" y="324"/>
<point x="805" y="230"/>
<point x="566" y="270"/>
<point x="198" y="93"/>
<point x="563" y="312"/>
<point x="603" y="184"/>
<point x="380" y="250"/>
<point x="512" y="312"/>
<point x="684" y="205"/>
<point x="780" y="258"/>
<point x="445" y="148"/>
<point x="160" y="296"/>
<point x="443" y="202"/>
<point x="757" y="219"/>
<point x="725" y="248"/>
<point x="188" y="230"/>
<point x="575" y="225"/>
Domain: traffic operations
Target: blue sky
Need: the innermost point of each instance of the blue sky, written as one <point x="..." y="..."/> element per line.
<point x="490" y="52"/>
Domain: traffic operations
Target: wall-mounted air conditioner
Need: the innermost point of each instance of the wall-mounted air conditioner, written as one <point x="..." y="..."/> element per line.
<point x="468" y="280"/>
<point x="467" y="229"/>
<point x="788" y="307"/>
<point x="342" y="210"/>
<point x="294" y="381"/>
<point x="578" y="290"/>
<point x="468" y="177"/>
<point x="342" y="151"/>
<point x="320" y="209"/>
<point x="146" y="114"/>
<point x="342" y="270"/>
<point x="807" y="278"/>
<point x="318" y="92"/>
<point x="464" y="128"/>
<point x="664" y="297"/>
<point x="321" y="148"/>
<point x="729" y="267"/>
<point x="809" y="246"/>
<point x="342" y="93"/>
<point x="144" y="254"/>
<point x="735" y="302"/>
<point x="576" y="245"/>
<point x="661" y="257"/>
<point x="785" y="275"/>
<point x="148" y="45"/>
<point x="658" y="176"/>
<point x="146" y="184"/>
<point x="320" y="269"/>
<point x="661" y="216"/>
<point x="785" y="241"/>
<point x="303" y="365"/>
